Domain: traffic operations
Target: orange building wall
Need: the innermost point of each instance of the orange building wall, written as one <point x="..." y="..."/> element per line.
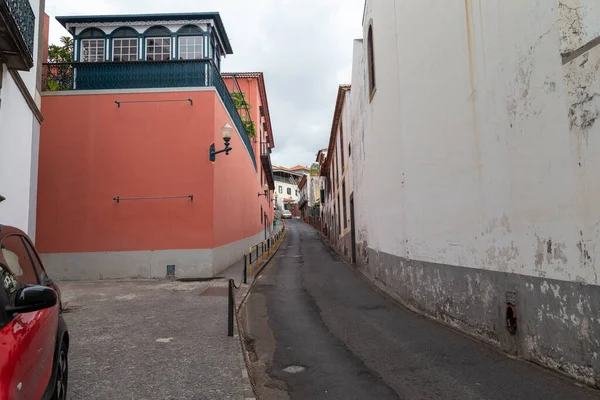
<point x="92" y="151"/>
<point x="249" y="86"/>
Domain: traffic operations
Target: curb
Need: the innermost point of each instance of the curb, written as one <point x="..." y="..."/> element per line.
<point x="248" y="380"/>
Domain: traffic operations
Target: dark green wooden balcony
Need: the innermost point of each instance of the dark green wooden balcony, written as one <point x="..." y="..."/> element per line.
<point x="17" y="30"/>
<point x="115" y="75"/>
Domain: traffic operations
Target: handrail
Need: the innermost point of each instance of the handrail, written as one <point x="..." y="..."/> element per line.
<point x="120" y="199"/>
<point x="24" y="18"/>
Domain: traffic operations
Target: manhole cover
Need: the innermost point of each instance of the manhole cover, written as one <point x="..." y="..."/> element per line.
<point x="294" y="369"/>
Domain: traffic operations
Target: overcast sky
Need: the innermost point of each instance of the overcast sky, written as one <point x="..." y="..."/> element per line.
<point x="304" y="47"/>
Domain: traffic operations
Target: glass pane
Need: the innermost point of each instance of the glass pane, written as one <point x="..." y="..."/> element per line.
<point x="18" y="261"/>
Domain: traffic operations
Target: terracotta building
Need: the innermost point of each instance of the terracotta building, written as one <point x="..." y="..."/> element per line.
<point x="129" y="183"/>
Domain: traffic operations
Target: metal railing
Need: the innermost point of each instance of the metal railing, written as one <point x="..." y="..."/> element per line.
<point x="24" y="18"/>
<point x="266" y="248"/>
<point x="143" y="75"/>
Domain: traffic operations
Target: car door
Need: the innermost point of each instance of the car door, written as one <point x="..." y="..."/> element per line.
<point x="31" y="336"/>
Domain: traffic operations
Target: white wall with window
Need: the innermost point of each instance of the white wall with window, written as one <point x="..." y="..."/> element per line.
<point x="20" y="120"/>
<point x="285" y="190"/>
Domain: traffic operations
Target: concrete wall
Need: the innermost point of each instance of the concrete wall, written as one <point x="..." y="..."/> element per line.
<point x="485" y="145"/>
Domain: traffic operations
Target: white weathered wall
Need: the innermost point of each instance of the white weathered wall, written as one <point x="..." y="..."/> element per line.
<point x="284" y="195"/>
<point x="19" y="144"/>
<point x="19" y="132"/>
<point x="488" y="131"/>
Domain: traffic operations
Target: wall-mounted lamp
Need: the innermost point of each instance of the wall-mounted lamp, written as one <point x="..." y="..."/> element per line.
<point x="266" y="190"/>
<point x="226" y="131"/>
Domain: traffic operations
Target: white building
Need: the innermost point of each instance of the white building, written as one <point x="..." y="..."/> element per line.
<point x="478" y="188"/>
<point x="20" y="117"/>
<point x="310" y="193"/>
<point x="337" y="169"/>
<point x="286" y="186"/>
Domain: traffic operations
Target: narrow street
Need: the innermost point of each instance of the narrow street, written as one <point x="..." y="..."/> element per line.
<point x="311" y="311"/>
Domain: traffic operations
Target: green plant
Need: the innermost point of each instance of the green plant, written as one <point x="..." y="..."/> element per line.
<point x="240" y="103"/>
<point x="62" y="53"/>
<point x="250" y="128"/>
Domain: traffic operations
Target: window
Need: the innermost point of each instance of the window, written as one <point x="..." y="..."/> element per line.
<point x="18" y="261"/>
<point x="125" y="49"/>
<point x="190" y="47"/>
<point x="342" y="146"/>
<point x="92" y="50"/>
<point x="35" y="260"/>
<point x="158" y="49"/>
<point x="371" y="61"/>
<point x="280" y="189"/>
<point x="344" y="203"/>
<point x="289" y="191"/>
<point x="339" y="224"/>
<point x="296" y="193"/>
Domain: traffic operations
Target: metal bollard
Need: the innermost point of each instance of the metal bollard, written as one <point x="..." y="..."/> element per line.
<point x="245" y="269"/>
<point x="250" y="260"/>
<point x="230" y="310"/>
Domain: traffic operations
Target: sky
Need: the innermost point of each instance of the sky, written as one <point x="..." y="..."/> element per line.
<point x="304" y="48"/>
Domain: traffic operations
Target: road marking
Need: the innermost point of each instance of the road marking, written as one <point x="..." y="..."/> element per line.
<point x="294" y="369"/>
<point x="165" y="340"/>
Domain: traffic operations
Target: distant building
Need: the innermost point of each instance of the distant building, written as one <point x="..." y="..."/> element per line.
<point x="336" y="167"/>
<point x="127" y="182"/>
<point x="287" y="193"/>
<point x="21" y="54"/>
<point x="310" y="195"/>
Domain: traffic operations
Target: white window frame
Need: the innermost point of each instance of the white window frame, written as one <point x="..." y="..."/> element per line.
<point x="100" y="47"/>
<point x="199" y="40"/>
<point x="170" y="39"/>
<point x="133" y="57"/>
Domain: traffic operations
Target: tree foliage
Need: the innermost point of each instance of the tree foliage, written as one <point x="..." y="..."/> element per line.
<point x="62" y="53"/>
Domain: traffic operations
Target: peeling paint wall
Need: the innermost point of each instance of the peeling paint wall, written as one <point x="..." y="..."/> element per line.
<point x="478" y="160"/>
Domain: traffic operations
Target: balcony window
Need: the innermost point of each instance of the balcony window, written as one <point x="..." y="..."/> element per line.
<point x="92" y="50"/>
<point x="125" y="44"/>
<point x="190" y="47"/>
<point x="125" y="49"/>
<point x="158" y="49"/>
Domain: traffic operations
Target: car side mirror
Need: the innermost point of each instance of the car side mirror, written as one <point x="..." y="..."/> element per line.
<point x="33" y="298"/>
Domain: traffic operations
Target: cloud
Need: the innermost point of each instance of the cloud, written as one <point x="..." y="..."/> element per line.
<point x="303" y="47"/>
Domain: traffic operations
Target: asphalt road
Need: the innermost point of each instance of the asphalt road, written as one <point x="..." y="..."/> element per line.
<point x="310" y="310"/>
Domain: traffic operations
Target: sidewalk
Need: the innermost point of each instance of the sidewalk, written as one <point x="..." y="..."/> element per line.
<point x="151" y="339"/>
<point x="156" y="339"/>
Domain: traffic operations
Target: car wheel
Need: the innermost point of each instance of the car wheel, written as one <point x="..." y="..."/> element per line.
<point x="62" y="374"/>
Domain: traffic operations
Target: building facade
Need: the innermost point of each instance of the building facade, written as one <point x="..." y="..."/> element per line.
<point x="21" y="55"/>
<point x="337" y="169"/>
<point x="489" y="219"/>
<point x="287" y="193"/>
<point x="309" y="202"/>
<point x="129" y="183"/>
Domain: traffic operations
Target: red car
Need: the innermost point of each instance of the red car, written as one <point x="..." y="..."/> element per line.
<point x="34" y="340"/>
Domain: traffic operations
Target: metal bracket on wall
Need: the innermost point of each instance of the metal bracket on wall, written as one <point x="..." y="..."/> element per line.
<point x="120" y="199"/>
<point x="118" y="103"/>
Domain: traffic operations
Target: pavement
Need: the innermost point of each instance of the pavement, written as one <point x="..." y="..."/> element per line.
<point x="316" y="330"/>
<point x="155" y="339"/>
<point x="151" y="340"/>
